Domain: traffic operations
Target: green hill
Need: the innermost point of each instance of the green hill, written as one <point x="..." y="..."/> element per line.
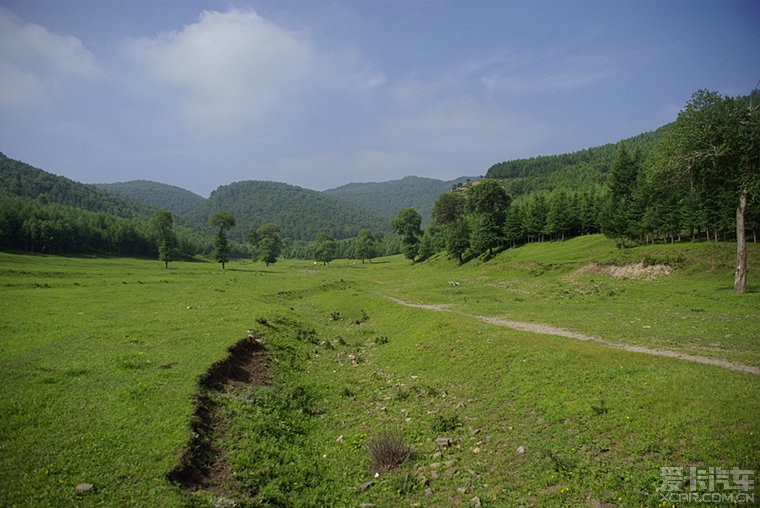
<point x="20" y="180"/>
<point x="388" y="198"/>
<point x="300" y="213"/>
<point x="174" y="199"/>
<point x="573" y="171"/>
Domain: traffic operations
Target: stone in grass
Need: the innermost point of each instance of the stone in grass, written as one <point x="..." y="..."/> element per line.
<point x="520" y="450"/>
<point x="443" y="442"/>
<point x="84" y="487"/>
<point x="475" y="501"/>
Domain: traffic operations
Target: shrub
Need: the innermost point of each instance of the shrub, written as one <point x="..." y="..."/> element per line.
<point x="388" y="450"/>
<point x="444" y="423"/>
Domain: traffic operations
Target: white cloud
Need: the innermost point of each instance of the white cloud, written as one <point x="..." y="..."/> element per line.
<point x="226" y="66"/>
<point x="446" y="116"/>
<point x="236" y="69"/>
<point x="35" y="63"/>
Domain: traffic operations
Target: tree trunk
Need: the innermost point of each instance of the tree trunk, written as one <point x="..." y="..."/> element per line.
<point x="740" y="277"/>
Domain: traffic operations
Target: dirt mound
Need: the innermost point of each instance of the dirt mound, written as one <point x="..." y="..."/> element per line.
<point x="630" y="271"/>
<point x="202" y="465"/>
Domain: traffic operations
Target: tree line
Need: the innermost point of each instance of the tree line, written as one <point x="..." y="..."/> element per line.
<point x="59" y="229"/>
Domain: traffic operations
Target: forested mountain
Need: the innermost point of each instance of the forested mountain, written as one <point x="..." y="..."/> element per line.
<point x="43" y="212"/>
<point x="24" y="181"/>
<point x="300" y="213"/>
<point x="576" y="171"/>
<point x="158" y="195"/>
<point x="387" y="199"/>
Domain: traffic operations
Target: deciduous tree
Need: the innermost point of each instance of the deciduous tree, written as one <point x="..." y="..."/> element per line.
<point x="266" y="243"/>
<point x="488" y="202"/>
<point x="407" y="225"/>
<point x="324" y="248"/>
<point x="365" y="245"/>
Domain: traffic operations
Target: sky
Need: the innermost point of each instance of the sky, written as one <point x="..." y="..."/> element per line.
<point x="319" y="94"/>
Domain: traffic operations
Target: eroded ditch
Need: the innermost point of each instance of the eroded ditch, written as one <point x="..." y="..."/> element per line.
<point x="203" y="465"/>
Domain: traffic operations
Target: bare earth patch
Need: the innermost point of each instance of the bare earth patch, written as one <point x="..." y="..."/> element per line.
<point x="561" y="332"/>
<point x="630" y="271"/>
<point x="438" y="308"/>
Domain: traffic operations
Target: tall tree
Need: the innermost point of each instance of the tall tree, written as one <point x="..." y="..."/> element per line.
<point x="715" y="144"/>
<point x="162" y="224"/>
<point x="266" y="243"/>
<point x="224" y="221"/>
<point x="407" y="225"/>
<point x="488" y="202"/>
<point x="619" y="214"/>
<point x="449" y="213"/>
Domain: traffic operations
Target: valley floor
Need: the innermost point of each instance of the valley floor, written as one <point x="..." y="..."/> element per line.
<point x="107" y="365"/>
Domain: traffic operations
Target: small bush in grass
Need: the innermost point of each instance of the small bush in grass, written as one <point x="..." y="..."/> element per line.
<point x="446" y="423"/>
<point x="388" y="450"/>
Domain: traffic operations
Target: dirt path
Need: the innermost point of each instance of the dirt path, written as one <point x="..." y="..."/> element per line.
<point x="561" y="332"/>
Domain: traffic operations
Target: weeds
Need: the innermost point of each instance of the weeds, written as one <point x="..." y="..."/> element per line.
<point x="363" y="318"/>
<point x="388" y="450"/>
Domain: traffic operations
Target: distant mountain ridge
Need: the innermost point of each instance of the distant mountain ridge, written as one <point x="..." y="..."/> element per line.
<point x="167" y="197"/>
<point x="21" y="180"/>
<point x="300" y="213"/>
<point x="387" y="199"/>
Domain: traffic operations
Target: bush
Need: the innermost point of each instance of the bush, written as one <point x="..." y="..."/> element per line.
<point x="388" y="450"/>
<point x="446" y="423"/>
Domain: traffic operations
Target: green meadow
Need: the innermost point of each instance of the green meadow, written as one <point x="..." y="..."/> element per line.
<point x="102" y="361"/>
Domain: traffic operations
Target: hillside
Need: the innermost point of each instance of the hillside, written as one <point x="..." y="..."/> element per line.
<point x="300" y="213"/>
<point x="388" y="198"/>
<point x="174" y="199"/>
<point x="573" y="171"/>
<point x="20" y="180"/>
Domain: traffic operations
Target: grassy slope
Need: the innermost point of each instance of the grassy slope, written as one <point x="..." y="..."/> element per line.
<point x="84" y="397"/>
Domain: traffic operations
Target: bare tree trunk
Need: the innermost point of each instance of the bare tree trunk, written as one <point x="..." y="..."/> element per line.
<point x="740" y="277"/>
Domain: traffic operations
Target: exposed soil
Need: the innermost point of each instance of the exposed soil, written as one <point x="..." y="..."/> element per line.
<point x="202" y="465"/>
<point x="438" y="308"/>
<point x="630" y="271"/>
<point x="560" y="332"/>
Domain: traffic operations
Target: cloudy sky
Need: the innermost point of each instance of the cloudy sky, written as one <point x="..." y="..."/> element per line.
<point x="322" y="93"/>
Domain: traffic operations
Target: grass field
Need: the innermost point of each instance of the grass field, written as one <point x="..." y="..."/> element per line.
<point x="101" y="361"/>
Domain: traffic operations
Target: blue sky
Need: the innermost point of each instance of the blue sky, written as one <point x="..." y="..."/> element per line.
<point x="320" y="94"/>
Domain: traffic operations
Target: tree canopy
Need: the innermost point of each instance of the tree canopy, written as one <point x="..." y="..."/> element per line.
<point x="266" y="243"/>
<point x="407" y="225"/>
